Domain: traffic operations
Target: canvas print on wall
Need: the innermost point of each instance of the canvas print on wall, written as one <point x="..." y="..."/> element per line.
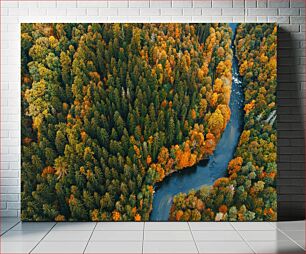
<point x="148" y="122"/>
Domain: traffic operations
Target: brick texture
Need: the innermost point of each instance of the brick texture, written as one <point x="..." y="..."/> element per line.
<point x="290" y="14"/>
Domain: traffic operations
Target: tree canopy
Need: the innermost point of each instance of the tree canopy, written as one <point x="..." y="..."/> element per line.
<point x="248" y="193"/>
<point x="108" y="110"/>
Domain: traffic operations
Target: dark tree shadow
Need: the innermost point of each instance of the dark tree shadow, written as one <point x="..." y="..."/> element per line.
<point x="290" y="128"/>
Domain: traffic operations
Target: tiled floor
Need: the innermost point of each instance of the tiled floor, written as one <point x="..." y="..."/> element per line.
<point x="149" y="237"/>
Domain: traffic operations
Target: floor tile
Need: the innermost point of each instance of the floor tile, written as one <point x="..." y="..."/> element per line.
<point x="68" y="226"/>
<point x="69" y="236"/>
<point x="297" y="236"/>
<point x="216" y="236"/>
<point x="22" y="236"/>
<point x="101" y="236"/>
<point x="169" y="247"/>
<point x="273" y="235"/>
<point x="276" y="247"/>
<point x="301" y="243"/>
<point x="33" y="226"/>
<point x="168" y="236"/>
<point x="9" y="220"/>
<point x="17" y="247"/>
<point x="290" y="225"/>
<point x="211" y="226"/>
<point x="6" y="225"/>
<point x="253" y="226"/>
<point x="114" y="247"/>
<point x="119" y="226"/>
<point x="60" y="247"/>
<point x="3" y="230"/>
<point x="223" y="247"/>
<point x="166" y="226"/>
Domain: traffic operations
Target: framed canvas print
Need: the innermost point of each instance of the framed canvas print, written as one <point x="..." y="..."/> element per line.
<point x="148" y="122"/>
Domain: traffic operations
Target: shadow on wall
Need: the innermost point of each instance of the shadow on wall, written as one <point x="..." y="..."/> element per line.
<point x="290" y="126"/>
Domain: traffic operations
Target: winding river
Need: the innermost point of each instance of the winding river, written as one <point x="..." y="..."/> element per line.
<point x="205" y="173"/>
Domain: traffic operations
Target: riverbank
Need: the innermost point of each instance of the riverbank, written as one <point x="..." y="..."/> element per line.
<point x="248" y="191"/>
<point x="186" y="180"/>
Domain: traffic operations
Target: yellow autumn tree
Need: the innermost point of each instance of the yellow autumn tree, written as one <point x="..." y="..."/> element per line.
<point x="216" y="123"/>
<point x="163" y="155"/>
<point x="218" y="85"/>
<point x="244" y="137"/>
<point x="203" y="107"/>
<point x="214" y="99"/>
<point x="226" y="113"/>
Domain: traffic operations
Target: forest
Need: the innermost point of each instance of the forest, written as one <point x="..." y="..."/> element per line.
<point x="248" y="192"/>
<point x="109" y="110"/>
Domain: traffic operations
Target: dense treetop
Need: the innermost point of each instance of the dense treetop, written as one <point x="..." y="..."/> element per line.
<point x="248" y="192"/>
<point x="108" y="110"/>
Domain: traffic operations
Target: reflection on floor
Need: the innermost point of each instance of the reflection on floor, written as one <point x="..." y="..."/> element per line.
<point x="152" y="237"/>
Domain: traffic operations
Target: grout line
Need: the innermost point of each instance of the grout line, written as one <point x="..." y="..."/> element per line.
<point x="132" y="230"/>
<point x="90" y="237"/>
<point x="10" y="228"/>
<point x="143" y="232"/>
<point x="290" y="238"/>
<point x="247" y="243"/>
<point x="171" y="230"/>
<point x="42" y="238"/>
<point x="273" y="225"/>
<point x="245" y="11"/>
<point x="193" y="238"/>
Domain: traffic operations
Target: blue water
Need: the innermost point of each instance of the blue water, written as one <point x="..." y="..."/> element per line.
<point x="196" y="177"/>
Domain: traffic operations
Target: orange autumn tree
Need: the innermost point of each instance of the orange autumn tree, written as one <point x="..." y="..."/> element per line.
<point x="235" y="165"/>
<point x="248" y="107"/>
<point x="116" y="216"/>
<point x="210" y="143"/>
<point x="137" y="217"/>
<point x="184" y="157"/>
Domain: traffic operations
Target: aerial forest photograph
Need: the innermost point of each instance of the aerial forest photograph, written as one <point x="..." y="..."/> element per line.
<point x="148" y="121"/>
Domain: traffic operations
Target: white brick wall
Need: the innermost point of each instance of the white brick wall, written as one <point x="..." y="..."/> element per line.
<point x="289" y="13"/>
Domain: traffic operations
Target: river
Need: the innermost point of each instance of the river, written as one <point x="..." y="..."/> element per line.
<point x="205" y="173"/>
